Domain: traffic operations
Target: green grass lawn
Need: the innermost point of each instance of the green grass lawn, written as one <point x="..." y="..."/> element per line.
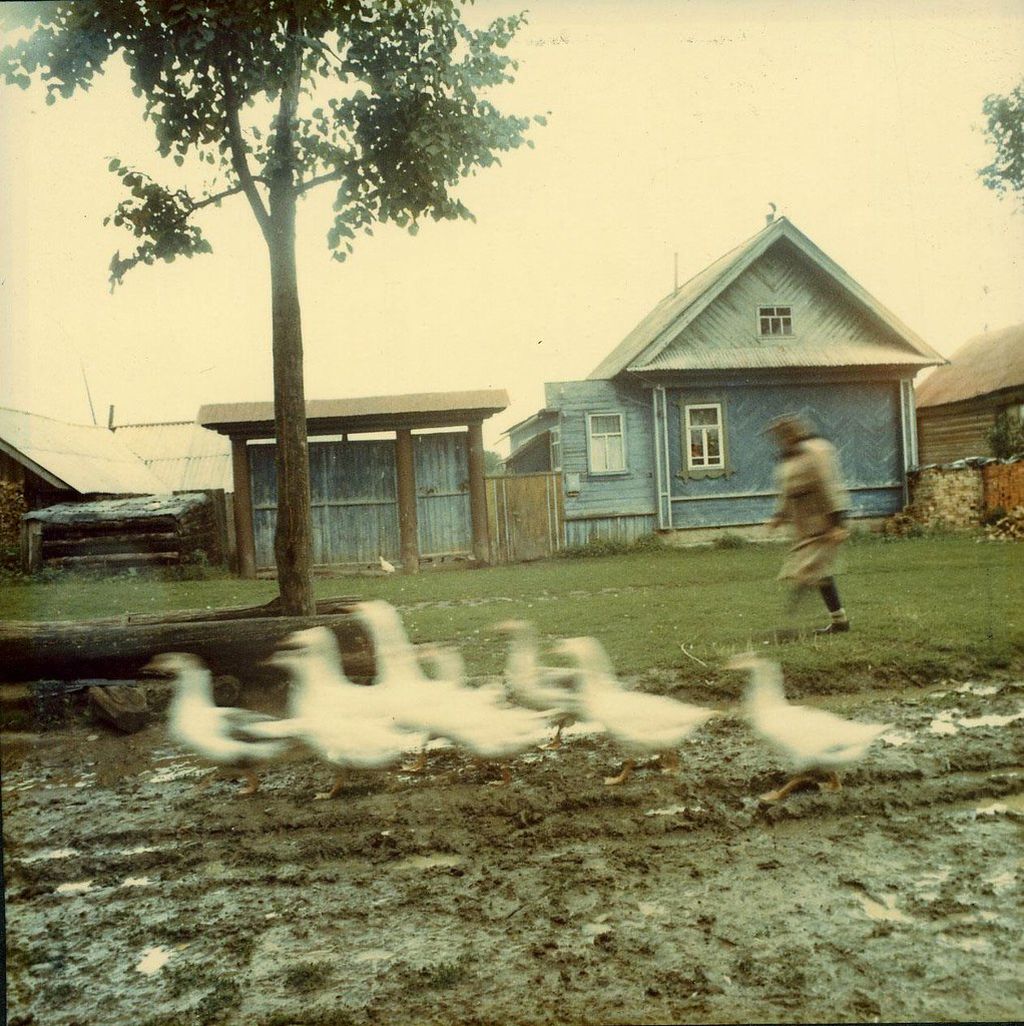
<point x="922" y="609"/>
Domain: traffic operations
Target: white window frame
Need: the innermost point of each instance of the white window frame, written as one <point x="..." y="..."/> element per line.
<point x="703" y="428"/>
<point x="591" y="448"/>
<point x="770" y="311"/>
<point x="555" y="448"/>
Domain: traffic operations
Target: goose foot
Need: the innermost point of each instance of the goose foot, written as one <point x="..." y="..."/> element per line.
<point x="339" y="782"/>
<point x="627" y="772"/>
<point x="555" y="743"/>
<point x="669" y="762"/>
<point x="833" y="783"/>
<point x="788" y="788"/>
<point x="418" y="765"/>
<point x="506" y="778"/>
<point x="252" y="784"/>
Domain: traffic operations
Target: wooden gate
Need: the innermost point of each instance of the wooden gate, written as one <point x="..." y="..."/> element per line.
<point x="354" y="499"/>
<point x="525" y="516"/>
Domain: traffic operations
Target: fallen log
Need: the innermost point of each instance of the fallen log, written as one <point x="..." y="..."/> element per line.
<point x="71" y="650"/>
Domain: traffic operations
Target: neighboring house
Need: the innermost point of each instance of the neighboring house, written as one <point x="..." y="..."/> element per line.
<point x="52" y="461"/>
<point x="957" y="405"/>
<point x="183" y="454"/>
<point x="534" y="444"/>
<point x="668" y="431"/>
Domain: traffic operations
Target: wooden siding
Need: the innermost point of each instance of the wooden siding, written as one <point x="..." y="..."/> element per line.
<point x="626" y="528"/>
<point x="862" y="419"/>
<point x="354" y="499"/>
<point x="956" y="431"/>
<point x="442" y="494"/>
<point x="632" y="491"/>
<point x="823" y="316"/>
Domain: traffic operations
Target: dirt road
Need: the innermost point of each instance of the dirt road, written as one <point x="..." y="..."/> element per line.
<point x="135" y="896"/>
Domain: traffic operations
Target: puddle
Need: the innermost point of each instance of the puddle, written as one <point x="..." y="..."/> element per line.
<point x="928" y="884"/>
<point x="136" y="881"/>
<point x="978" y="689"/>
<point x="896" y="738"/>
<point x="670" y="810"/>
<point x="430" y="861"/>
<point x="1001" y="882"/>
<point x="56" y="853"/>
<point x="140" y="850"/>
<point x="1007" y="805"/>
<point x="172" y="773"/>
<point x="153" y="960"/>
<point x="966" y="943"/>
<point x="991" y="720"/>
<point x="74" y="888"/>
<point x="884" y="911"/>
<point x="943" y="724"/>
<point x="374" y="955"/>
<point x="594" y="930"/>
<point x="652" y="908"/>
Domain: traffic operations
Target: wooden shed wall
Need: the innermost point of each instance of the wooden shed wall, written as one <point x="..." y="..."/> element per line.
<point x="354" y="499"/>
<point x="956" y="431"/>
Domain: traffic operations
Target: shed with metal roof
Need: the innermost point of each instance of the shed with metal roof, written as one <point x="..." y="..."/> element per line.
<point x="56" y="461"/>
<point x="416" y="494"/>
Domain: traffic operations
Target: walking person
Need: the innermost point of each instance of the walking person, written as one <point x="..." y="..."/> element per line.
<point x="814" y="502"/>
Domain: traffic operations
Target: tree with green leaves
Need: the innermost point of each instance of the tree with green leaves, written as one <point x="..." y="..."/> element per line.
<point x="1005" y="130"/>
<point x="381" y="100"/>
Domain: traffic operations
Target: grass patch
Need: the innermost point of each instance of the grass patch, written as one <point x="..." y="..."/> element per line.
<point x="921" y="608"/>
<point x="307" y="976"/>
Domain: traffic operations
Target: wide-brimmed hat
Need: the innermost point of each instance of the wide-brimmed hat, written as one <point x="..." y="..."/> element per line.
<point x="790" y="425"/>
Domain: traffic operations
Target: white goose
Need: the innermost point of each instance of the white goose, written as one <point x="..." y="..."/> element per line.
<point x="472" y="718"/>
<point x="349" y="726"/>
<point x="235" y="739"/>
<point x="539" y="687"/>
<point x="640" y="723"/>
<point x="814" y="741"/>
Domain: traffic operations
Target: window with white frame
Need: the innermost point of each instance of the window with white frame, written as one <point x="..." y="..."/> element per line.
<point x="607" y="445"/>
<point x="775" y="320"/>
<point x="705" y="445"/>
<point x="555" y="444"/>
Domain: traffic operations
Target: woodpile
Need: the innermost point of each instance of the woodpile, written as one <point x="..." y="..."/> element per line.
<point x="947" y="496"/>
<point x="149" y="530"/>
<point x="1009" y="527"/>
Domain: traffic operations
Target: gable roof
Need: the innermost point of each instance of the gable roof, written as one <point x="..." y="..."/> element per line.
<point x="81" y="457"/>
<point x="184" y="455"/>
<point x="644" y="348"/>
<point x="986" y="363"/>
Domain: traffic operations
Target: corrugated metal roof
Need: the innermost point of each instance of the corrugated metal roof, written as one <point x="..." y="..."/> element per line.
<point x="82" y="457"/>
<point x="803" y="354"/>
<point x="483" y="401"/>
<point x="182" y="454"/>
<point x="986" y="363"/>
<point x="644" y="347"/>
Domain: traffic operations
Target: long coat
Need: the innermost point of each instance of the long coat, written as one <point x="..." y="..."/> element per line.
<point x="810" y="492"/>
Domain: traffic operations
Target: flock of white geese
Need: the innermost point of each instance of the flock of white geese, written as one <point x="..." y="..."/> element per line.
<point x="358" y="727"/>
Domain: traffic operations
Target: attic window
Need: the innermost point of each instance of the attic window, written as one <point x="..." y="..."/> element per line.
<point x="775" y="320"/>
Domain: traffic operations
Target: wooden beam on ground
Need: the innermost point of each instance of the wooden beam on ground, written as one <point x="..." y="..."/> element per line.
<point x="40" y="650"/>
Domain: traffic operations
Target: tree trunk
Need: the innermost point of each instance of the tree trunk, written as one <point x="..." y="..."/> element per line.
<point x="293" y="546"/>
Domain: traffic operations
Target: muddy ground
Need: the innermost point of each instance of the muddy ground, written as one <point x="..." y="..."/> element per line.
<point x="135" y="896"/>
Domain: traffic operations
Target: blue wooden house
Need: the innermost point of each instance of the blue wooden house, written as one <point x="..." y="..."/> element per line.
<point x="668" y="430"/>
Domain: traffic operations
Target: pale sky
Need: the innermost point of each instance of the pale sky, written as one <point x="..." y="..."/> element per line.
<point x="672" y="125"/>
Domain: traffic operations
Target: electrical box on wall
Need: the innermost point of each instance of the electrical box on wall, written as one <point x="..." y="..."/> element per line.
<point x="572" y="483"/>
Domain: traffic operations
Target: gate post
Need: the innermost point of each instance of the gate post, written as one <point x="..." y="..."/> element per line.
<point x="245" y="538"/>
<point x="477" y="492"/>
<point x="408" y="526"/>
